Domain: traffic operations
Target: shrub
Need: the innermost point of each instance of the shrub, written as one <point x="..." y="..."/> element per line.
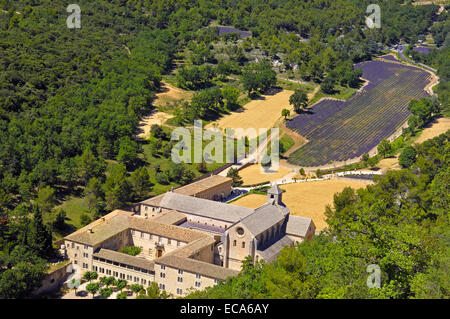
<point x="131" y="250"/>
<point x="121" y="295"/>
<point x="408" y="157"/>
<point x="162" y="178"/>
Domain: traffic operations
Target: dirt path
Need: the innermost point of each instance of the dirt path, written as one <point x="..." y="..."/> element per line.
<point x="154" y="118"/>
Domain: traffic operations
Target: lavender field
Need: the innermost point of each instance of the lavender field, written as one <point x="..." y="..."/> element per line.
<point x="338" y="131"/>
<point x="423" y="50"/>
<point x="243" y="34"/>
<point x="390" y="58"/>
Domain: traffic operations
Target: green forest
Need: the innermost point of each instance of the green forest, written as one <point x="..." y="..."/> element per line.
<point x="71" y="99"/>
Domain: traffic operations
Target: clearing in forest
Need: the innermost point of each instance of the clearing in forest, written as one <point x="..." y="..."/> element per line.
<point x="167" y="95"/>
<point x="171" y="94"/>
<point x="262" y="112"/>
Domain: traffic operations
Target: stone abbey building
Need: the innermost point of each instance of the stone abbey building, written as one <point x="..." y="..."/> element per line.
<point x="187" y="242"/>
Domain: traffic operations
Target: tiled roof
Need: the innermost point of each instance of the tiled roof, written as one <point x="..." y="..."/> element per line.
<point x="125" y="259"/>
<point x="168" y="231"/>
<point x="200" y="226"/>
<point x="298" y="226"/>
<point x="101" y="230"/>
<point x="197" y="267"/>
<point x="153" y="201"/>
<point x="204" y="207"/>
<point x="121" y="221"/>
<point x="191" y="189"/>
<point x="171" y="218"/>
<point x="194" y="247"/>
<point x="263" y="218"/>
<point x="274" y="250"/>
<point x="203" y="185"/>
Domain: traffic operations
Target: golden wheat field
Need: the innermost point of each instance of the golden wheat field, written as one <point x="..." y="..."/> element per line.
<point x="259" y="113"/>
<point x="307" y="199"/>
<point x="437" y="128"/>
<point x="254" y="174"/>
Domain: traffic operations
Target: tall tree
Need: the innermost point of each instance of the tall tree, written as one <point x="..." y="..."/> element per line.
<point x="39" y="237"/>
<point x="117" y="188"/>
<point x="384" y="148"/>
<point x="299" y="100"/>
<point x="234" y="174"/>
<point x="140" y="182"/>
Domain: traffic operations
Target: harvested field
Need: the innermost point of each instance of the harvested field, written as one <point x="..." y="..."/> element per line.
<point x="260" y="113"/>
<point x="338" y="131"/>
<point x="251" y="201"/>
<point x="307" y="199"/>
<point x="437" y="128"/>
<point x="254" y="174"/>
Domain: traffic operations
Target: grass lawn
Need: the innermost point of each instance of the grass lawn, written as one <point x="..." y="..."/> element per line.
<point x="292" y="86"/>
<point x="286" y="142"/>
<point x="342" y="93"/>
<point x="74" y="207"/>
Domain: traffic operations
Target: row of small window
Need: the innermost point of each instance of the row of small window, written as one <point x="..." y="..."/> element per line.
<point x="235" y="243"/>
<point x="213" y="225"/>
<point x="169" y="241"/>
<point x="180" y="272"/>
<point x="85" y="255"/>
<point x="198" y="284"/>
<point x="122" y="265"/>
<point x="86" y="247"/>
<point x="120" y="275"/>
<point x="85" y="266"/>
